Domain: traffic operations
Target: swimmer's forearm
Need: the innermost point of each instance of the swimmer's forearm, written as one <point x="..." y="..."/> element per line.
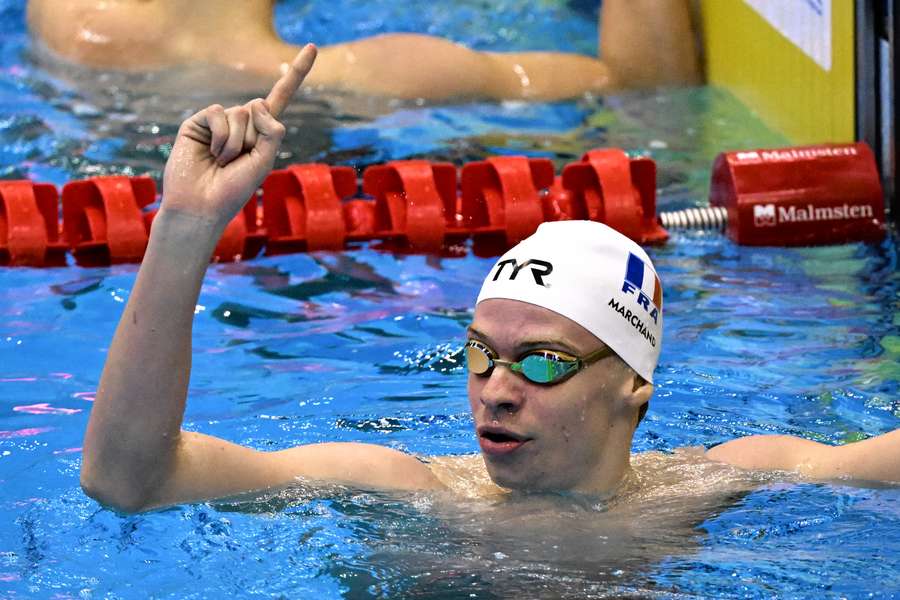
<point x="135" y="423"/>
<point x="545" y="75"/>
<point x="874" y="459"/>
<point x="649" y="42"/>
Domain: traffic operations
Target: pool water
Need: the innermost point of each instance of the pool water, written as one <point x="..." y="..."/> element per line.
<point x="363" y="346"/>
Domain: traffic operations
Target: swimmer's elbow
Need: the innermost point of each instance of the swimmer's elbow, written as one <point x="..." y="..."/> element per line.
<point x="118" y="498"/>
<point x="115" y="482"/>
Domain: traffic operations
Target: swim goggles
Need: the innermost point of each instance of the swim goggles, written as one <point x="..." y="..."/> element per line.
<point x="544" y="367"/>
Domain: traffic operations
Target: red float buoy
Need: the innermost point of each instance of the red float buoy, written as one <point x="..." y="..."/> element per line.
<point x="803" y="196"/>
<point x="29" y="225"/>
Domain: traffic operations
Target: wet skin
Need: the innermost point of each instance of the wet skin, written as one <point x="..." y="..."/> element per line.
<point x="575" y="435"/>
<point x="572" y="437"/>
<point x="644" y="43"/>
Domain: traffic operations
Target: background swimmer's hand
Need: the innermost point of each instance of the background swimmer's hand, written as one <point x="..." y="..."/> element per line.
<point x="221" y="156"/>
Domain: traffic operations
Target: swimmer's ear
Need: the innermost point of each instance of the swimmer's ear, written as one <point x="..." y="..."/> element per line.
<point x="641" y="391"/>
<point x="639" y="400"/>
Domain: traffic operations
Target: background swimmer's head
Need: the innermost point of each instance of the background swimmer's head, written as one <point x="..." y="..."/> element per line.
<point x="573" y="287"/>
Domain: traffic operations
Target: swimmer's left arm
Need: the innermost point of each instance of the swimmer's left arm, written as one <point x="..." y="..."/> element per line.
<point x="874" y="459"/>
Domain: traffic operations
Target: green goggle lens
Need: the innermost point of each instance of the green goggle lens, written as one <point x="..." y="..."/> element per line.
<point x="543" y="366"/>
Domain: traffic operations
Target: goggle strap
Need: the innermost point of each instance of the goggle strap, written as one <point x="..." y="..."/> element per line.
<point x="597" y="355"/>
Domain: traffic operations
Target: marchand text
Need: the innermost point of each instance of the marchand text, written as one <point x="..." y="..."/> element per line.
<point x="634" y="319"/>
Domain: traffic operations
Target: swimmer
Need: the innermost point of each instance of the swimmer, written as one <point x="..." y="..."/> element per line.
<point x="643" y="43"/>
<point x="561" y="353"/>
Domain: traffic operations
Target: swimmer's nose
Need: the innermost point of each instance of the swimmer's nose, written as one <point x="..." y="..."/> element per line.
<point x="502" y="391"/>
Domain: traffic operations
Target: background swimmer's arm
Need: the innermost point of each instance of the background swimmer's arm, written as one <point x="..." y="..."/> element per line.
<point x="135" y="456"/>
<point x="650" y="42"/>
<point x="420" y="66"/>
<point x="875" y="459"/>
<point x="643" y="43"/>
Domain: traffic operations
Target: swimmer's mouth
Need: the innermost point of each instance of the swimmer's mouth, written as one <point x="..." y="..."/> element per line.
<point x="499" y="441"/>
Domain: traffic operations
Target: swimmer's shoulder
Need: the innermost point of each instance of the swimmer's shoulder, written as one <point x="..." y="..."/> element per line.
<point x="465" y="475"/>
<point x="117" y="35"/>
<point x="688" y="471"/>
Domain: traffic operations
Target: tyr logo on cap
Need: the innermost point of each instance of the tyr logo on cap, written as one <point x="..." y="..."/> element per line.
<point x="641" y="280"/>
<point x="539" y="269"/>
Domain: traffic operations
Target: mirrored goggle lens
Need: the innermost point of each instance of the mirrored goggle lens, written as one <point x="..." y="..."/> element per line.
<point x="545" y="368"/>
<point x="477" y="360"/>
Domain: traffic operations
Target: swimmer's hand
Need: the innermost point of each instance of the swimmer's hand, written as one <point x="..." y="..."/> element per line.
<point x="221" y="156"/>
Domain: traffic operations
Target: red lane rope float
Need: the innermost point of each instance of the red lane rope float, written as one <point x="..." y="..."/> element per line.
<point x="809" y="195"/>
<point x="501" y="202"/>
<point x="302" y="209"/>
<point x="29" y="227"/>
<point x="415" y="203"/>
<point x="102" y="219"/>
<point x="243" y="237"/>
<point x="609" y="187"/>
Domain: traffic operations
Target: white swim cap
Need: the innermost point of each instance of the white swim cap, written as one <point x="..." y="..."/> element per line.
<point x="593" y="275"/>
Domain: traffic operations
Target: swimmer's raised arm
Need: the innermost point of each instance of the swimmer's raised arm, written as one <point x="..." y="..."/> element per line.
<point x="874" y="459"/>
<point x="135" y="454"/>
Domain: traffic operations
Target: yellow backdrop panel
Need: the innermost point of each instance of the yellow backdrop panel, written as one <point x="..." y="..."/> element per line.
<point x="790" y="91"/>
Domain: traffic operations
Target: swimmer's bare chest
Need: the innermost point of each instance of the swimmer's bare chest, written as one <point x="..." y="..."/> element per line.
<point x="678" y="477"/>
<point x="654" y="514"/>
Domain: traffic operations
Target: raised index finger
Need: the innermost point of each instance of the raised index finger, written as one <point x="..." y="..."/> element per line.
<point x="284" y="88"/>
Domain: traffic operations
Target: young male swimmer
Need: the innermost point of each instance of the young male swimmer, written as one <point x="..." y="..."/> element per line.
<point x="643" y="43"/>
<point x="561" y="353"/>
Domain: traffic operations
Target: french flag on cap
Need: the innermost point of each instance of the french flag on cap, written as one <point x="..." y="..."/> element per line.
<point x="643" y="278"/>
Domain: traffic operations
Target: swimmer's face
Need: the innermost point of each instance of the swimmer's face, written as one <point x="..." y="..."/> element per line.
<point x="575" y="435"/>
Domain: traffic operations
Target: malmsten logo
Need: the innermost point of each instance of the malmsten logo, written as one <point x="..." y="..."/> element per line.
<point x="539" y="269"/>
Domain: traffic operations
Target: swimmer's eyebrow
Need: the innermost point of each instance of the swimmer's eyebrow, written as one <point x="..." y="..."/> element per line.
<point x="527" y="345"/>
<point x="471" y="332"/>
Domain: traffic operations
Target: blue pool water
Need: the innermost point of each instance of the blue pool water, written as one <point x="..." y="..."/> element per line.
<point x="359" y="346"/>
